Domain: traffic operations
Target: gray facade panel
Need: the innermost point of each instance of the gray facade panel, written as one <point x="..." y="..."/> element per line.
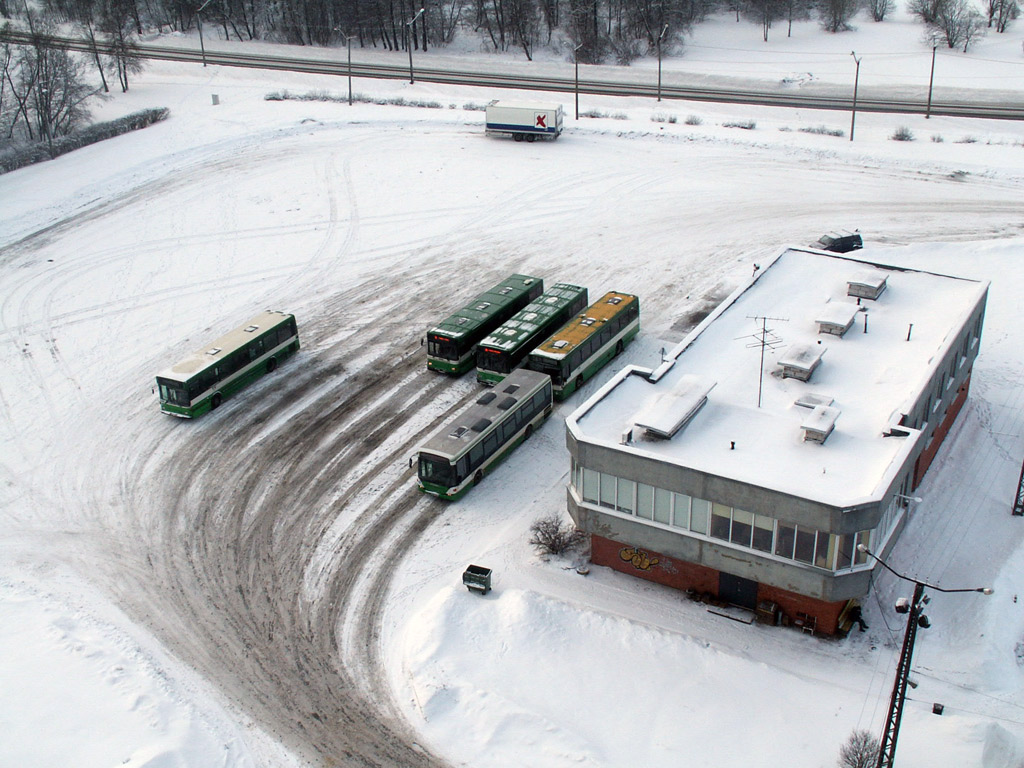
<point x="752" y="498"/>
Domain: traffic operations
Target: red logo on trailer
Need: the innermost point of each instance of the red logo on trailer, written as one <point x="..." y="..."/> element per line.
<point x="541" y="121"/>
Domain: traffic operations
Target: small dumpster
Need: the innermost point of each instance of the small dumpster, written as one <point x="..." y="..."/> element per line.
<point x="477" y="578"/>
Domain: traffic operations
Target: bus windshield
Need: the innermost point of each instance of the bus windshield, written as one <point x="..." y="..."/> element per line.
<point x="553" y="368"/>
<point x="173" y="392"/>
<point x="492" y="360"/>
<point x="439" y="346"/>
<point x="434" y="469"/>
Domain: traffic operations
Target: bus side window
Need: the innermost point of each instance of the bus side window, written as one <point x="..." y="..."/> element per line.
<point x="476" y="454"/>
<point x="539" y="400"/>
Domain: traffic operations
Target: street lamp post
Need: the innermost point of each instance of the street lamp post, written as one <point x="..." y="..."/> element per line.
<point x="408" y="27"/>
<point x="915" y="618"/>
<point x="348" y="40"/>
<point x="660" y="38"/>
<point x="576" y="60"/>
<point x="856" y="81"/>
<point x="931" y="81"/>
<point x="199" y="19"/>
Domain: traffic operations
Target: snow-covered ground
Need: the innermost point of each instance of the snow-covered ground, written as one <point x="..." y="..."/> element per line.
<point x="121" y="256"/>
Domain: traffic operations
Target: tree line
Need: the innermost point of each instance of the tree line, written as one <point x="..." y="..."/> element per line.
<point x="43" y="91"/>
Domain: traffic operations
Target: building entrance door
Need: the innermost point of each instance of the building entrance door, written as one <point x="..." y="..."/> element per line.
<point x="738" y="591"/>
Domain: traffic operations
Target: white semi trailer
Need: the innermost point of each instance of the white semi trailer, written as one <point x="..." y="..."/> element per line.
<point x="524" y="121"/>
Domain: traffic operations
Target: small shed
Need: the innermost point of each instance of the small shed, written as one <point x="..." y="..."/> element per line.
<point x="800" y="361"/>
<point x="867" y="284"/>
<point x="819" y="423"/>
<point x="836" y="317"/>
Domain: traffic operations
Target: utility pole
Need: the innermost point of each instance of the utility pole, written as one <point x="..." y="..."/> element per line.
<point x="915" y="618"/>
<point x="931" y="81"/>
<point x="408" y="29"/>
<point x="856" y="81"/>
<point x="1018" y="505"/>
<point x="660" y="38"/>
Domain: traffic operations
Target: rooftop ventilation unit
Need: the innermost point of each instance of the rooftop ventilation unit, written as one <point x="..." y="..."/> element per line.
<point x="813" y="400"/>
<point x="836" y="317"/>
<point x="671" y="410"/>
<point x="819" y="423"/>
<point x="801" y="360"/>
<point x="867" y="285"/>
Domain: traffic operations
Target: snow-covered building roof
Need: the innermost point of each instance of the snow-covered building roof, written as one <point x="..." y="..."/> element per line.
<point x="755" y="425"/>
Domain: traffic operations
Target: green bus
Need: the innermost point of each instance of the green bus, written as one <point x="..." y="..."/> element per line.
<point x="582" y="346"/>
<point x="451" y="344"/>
<point x="507" y="347"/>
<point x="459" y="454"/>
<point x="203" y="380"/>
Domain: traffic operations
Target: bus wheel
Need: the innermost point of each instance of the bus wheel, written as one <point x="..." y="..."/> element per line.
<point x="618" y="347"/>
<point x="529" y="431"/>
<point x="579" y="383"/>
<point x="477" y="478"/>
<point x="271" y="365"/>
<point x="215" y="400"/>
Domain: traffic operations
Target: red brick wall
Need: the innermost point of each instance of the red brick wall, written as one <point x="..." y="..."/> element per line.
<point x="653" y="566"/>
<point x="928" y="454"/>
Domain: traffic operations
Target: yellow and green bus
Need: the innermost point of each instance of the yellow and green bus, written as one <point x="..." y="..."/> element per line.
<point x="508" y="345"/>
<point x="451" y="344"/>
<point x="204" y="379"/>
<point x="459" y="454"/>
<point x="579" y="349"/>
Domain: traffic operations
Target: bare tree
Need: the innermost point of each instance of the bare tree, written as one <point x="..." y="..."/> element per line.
<point x="958" y="22"/>
<point x="859" y="751"/>
<point x="836" y="14"/>
<point x="48" y="89"/>
<point x="880" y="8"/>
<point x="796" y="10"/>
<point x="551" y="536"/>
<point x="765" y="12"/>
<point x="1001" y="12"/>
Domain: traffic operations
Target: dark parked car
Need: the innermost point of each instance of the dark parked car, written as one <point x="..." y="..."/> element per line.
<point x="839" y="242"/>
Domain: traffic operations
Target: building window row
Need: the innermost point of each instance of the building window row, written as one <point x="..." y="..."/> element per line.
<point x="737" y="527"/>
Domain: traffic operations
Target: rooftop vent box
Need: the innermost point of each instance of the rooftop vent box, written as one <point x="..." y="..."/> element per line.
<point x="836" y="317"/>
<point x="867" y="285"/>
<point x="813" y="400"/>
<point x="671" y="410"/>
<point x="800" y="361"/>
<point x="819" y="423"/>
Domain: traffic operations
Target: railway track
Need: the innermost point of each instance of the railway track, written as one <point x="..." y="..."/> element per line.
<point x="766" y="97"/>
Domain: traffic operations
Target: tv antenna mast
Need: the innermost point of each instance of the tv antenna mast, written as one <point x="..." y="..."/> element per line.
<point x="765" y="338"/>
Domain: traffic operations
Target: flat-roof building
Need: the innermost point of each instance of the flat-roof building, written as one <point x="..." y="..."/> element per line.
<point x="785" y="430"/>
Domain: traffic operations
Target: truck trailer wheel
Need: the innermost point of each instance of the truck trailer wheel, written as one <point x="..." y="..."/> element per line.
<point x="517" y="136"/>
<point x="530" y="137"/>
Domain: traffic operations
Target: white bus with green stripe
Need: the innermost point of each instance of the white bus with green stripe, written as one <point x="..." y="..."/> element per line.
<point x="204" y="379"/>
<point x="469" y="446"/>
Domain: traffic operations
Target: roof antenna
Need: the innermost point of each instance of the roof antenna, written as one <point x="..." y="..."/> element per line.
<point x="766" y="337"/>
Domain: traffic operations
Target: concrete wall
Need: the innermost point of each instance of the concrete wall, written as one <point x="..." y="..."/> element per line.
<point x="748" y="564"/>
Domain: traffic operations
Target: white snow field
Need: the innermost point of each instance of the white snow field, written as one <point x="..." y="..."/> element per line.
<point x="118" y="646"/>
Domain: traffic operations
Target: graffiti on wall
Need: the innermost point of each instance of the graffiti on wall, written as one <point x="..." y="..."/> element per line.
<point x="640" y="559"/>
